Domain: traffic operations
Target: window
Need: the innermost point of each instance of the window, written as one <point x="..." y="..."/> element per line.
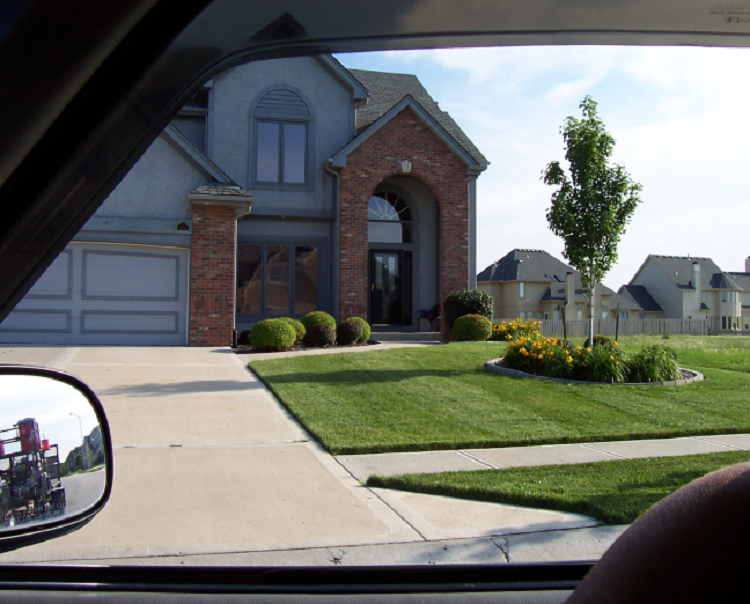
<point x="282" y="139"/>
<point x="724" y="297"/>
<point x="389" y="219"/>
<point x="276" y="280"/>
<point x="579" y="311"/>
<point x="605" y="312"/>
<point x="281" y="152"/>
<point x="522" y="314"/>
<point x="555" y="315"/>
<point x="521" y="289"/>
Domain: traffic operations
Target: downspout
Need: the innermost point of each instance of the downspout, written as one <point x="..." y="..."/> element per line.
<point x="336" y="234"/>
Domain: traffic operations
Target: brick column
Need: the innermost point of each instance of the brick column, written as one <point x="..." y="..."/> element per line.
<point x="213" y="260"/>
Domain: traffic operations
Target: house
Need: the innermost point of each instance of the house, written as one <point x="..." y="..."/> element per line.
<point x="281" y="187"/>
<point x="696" y="288"/>
<point x="533" y="284"/>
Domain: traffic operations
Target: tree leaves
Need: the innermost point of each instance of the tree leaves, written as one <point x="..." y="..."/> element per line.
<point x="593" y="205"/>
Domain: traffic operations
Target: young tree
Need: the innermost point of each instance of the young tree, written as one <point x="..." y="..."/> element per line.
<point x="591" y="209"/>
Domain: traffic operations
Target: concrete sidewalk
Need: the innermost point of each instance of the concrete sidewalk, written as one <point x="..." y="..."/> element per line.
<point x="210" y="469"/>
<point x="392" y="464"/>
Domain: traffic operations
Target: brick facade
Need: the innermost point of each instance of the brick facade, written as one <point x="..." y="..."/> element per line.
<point x="405" y="137"/>
<point x="212" y="268"/>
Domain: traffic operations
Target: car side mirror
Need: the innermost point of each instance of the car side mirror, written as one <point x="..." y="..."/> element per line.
<point x="56" y="462"/>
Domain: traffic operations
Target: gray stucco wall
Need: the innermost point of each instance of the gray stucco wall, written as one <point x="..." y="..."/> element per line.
<point x="230" y="139"/>
<point x="156" y="187"/>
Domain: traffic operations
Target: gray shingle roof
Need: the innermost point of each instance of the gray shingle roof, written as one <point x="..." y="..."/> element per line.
<point x="387" y="89"/>
<point x="680" y="270"/>
<point x="723" y="281"/>
<point x="742" y="280"/>
<point x="536" y="265"/>
<point x="639" y="294"/>
<point x="525" y="265"/>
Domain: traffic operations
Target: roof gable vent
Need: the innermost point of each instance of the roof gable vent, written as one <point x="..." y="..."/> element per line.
<point x="282" y="103"/>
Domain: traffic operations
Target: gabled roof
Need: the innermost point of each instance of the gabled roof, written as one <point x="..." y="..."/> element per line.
<point x="640" y="296"/>
<point x="339" y="159"/>
<point x="679" y="270"/>
<point x="525" y="265"/>
<point x="359" y="92"/>
<point x="178" y="141"/>
<point x="388" y="89"/>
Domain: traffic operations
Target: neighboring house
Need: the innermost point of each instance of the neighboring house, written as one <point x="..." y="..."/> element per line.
<point x="281" y="187"/>
<point x="696" y="288"/>
<point x="533" y="284"/>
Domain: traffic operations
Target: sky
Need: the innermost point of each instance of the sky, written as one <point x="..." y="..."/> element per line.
<point x="679" y="116"/>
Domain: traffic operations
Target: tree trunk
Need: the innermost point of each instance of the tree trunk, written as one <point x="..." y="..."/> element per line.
<point x="592" y="287"/>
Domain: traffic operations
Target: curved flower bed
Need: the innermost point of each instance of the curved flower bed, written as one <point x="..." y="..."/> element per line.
<point x="604" y="362"/>
<point x="688" y="376"/>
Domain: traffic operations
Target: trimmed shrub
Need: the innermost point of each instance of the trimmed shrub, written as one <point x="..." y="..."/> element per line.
<point x="299" y="329"/>
<point x="244" y="338"/>
<point x="466" y="302"/>
<point x="321" y="335"/>
<point x="315" y="317"/>
<point x="365" y="329"/>
<point x="504" y="331"/>
<point x="272" y="335"/>
<point x="472" y="328"/>
<point x="349" y="332"/>
<point x="654" y="363"/>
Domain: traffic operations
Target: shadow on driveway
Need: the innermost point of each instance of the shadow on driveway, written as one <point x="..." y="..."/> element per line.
<point x="171" y="389"/>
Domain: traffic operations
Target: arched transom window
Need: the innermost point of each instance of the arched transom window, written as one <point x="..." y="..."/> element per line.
<point x="389" y="219"/>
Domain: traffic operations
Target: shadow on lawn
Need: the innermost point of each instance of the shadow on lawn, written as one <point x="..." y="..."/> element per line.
<point x="366" y="376"/>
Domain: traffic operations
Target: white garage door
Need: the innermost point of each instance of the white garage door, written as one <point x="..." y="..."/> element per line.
<point x="103" y="293"/>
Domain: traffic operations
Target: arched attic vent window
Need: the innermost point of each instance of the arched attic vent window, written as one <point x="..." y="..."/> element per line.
<point x="389" y="219"/>
<point x="282" y="119"/>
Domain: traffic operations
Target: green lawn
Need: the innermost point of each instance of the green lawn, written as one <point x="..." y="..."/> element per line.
<point x="613" y="492"/>
<point x="441" y="397"/>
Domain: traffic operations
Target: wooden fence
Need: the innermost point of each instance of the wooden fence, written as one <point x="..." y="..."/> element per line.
<point x="630" y="327"/>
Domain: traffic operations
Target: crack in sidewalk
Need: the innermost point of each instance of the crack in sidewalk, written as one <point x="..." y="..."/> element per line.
<point x="503" y="546"/>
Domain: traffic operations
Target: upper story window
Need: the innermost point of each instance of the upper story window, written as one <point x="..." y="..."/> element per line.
<point x="389" y="219"/>
<point x="522" y="289"/>
<point x="282" y="121"/>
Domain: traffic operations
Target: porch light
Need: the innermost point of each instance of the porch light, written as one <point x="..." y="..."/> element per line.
<point x="406" y="166"/>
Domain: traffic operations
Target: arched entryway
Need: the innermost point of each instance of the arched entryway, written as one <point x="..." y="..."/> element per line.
<point x="402" y="234"/>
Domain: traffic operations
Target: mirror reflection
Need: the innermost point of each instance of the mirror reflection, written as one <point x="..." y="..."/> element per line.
<point x="52" y="458"/>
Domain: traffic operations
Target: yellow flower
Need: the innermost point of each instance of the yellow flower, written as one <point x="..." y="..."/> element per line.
<point x="570" y="359"/>
<point x="615" y="342"/>
<point x="578" y="348"/>
<point x="589" y="349"/>
<point x="611" y="358"/>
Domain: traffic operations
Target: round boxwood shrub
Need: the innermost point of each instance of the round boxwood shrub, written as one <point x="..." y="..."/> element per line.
<point x="472" y="328"/>
<point x="363" y="339"/>
<point x="317" y="316"/>
<point x="600" y="340"/>
<point x="321" y="335"/>
<point x="272" y="335"/>
<point x="348" y="332"/>
<point x="296" y="325"/>
<point x="466" y="302"/>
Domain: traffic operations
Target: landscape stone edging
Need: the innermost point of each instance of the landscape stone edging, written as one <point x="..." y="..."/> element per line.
<point x="495" y="368"/>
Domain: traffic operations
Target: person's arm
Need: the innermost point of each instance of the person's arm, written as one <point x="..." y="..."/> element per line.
<point x="694" y="546"/>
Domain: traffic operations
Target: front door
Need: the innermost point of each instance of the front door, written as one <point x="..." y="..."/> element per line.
<point x="390" y="288"/>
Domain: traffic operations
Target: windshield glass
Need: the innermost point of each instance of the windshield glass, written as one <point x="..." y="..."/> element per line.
<point x="325" y="189"/>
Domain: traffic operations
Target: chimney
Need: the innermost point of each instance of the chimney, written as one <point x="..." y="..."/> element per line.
<point x="697" y="284"/>
<point x="747" y="264"/>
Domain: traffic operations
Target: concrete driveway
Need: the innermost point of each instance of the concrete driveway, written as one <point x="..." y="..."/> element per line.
<point x="210" y="469"/>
